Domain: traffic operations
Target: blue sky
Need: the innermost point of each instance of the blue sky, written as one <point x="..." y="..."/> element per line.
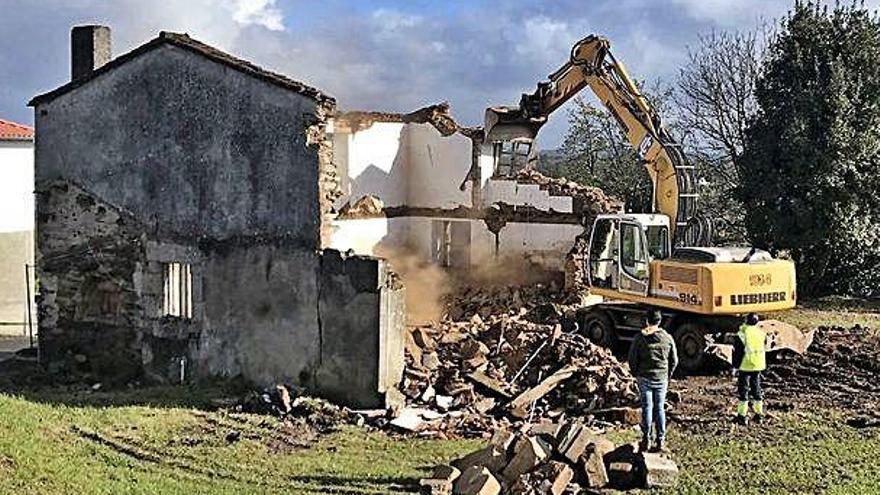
<point x="375" y="54"/>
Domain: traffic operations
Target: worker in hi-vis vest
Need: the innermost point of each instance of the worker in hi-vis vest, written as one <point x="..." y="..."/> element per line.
<point x="749" y="357"/>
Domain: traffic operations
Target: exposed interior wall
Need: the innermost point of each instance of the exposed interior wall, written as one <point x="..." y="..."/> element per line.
<point x="437" y="167"/>
<point x="16" y="234"/>
<point x="372" y="161"/>
<point x="432" y="177"/>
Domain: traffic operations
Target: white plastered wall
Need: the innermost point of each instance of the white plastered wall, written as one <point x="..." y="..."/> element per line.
<point x="16" y="234"/>
<point x="414" y="165"/>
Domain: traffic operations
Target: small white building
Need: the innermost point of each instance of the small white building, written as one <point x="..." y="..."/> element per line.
<point x="16" y="225"/>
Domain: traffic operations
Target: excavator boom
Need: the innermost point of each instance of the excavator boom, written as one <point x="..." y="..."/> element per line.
<point x="592" y="64"/>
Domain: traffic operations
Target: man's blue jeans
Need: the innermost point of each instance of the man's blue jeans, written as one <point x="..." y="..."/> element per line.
<point x="653" y="396"/>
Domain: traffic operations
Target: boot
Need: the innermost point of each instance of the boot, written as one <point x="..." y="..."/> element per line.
<point x="741" y="419"/>
<point x="759" y="411"/>
<point x="660" y="447"/>
<point x="643" y="445"/>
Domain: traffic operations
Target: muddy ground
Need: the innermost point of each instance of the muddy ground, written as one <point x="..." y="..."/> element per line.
<point x="840" y="371"/>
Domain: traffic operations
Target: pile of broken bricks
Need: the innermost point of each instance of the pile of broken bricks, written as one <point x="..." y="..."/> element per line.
<point x="586" y="199"/>
<point x="475" y="377"/>
<point x="550" y="458"/>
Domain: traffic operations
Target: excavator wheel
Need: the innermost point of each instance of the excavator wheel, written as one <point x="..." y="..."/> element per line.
<point x="691" y="342"/>
<point x="597" y="326"/>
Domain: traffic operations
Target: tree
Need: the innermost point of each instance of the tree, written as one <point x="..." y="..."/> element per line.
<point x="714" y="101"/>
<point x="813" y="149"/>
<point x="595" y="152"/>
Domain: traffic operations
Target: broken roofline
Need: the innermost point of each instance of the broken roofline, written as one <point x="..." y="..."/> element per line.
<point x="437" y="115"/>
<point x="184" y="42"/>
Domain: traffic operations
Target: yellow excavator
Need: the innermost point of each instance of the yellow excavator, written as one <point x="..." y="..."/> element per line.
<point x="659" y="259"/>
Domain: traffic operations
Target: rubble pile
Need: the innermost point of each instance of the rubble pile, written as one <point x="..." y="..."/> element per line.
<point x="550" y="458"/>
<point x="541" y="303"/>
<point x="480" y="375"/>
<point x="586" y="199"/>
<point x="283" y="402"/>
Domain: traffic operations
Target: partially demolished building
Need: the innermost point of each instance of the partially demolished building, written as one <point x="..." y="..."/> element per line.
<point x="423" y="183"/>
<point x="193" y="211"/>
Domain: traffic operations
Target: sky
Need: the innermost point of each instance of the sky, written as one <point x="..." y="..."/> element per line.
<point x="379" y="55"/>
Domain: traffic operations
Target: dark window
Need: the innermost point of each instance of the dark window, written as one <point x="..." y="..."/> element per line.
<point x="511" y="157"/>
<point x="658" y="242"/>
<point x="633" y="257"/>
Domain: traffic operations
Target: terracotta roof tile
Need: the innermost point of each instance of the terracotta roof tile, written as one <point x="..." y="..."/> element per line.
<point x="185" y="42"/>
<point x="10" y="131"/>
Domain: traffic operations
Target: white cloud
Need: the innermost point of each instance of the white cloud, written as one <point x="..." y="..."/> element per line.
<point x="258" y="12"/>
<point x="391" y="21"/>
<point x="392" y="59"/>
<point x="544" y="38"/>
<point x="731" y="13"/>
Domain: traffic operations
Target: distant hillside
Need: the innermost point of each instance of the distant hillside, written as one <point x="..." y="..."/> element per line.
<point x="550" y="162"/>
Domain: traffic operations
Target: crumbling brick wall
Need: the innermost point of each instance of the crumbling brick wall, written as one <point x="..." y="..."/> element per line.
<point x="224" y="174"/>
<point x="88" y="260"/>
<point x="264" y="310"/>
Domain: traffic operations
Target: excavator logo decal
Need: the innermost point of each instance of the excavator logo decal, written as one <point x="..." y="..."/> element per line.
<point x="645" y="145"/>
<point x="767" y="297"/>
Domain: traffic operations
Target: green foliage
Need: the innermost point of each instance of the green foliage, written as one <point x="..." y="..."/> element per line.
<point x="813" y="150"/>
<point x="595" y="152"/>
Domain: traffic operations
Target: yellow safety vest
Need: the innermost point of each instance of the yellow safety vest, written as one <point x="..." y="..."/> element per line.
<point x="753" y="339"/>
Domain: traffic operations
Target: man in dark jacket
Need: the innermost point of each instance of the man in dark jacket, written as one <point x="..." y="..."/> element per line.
<point x="652" y="360"/>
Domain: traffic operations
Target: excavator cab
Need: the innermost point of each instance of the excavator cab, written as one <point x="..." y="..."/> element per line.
<point x="621" y="250"/>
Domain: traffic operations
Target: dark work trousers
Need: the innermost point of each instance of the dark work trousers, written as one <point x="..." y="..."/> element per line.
<point x="748" y="386"/>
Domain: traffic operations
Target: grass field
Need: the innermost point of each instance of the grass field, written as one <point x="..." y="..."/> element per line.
<point x="51" y="448"/>
<point x="166" y="440"/>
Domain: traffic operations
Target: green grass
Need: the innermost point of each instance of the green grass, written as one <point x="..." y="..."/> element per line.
<point x="48" y="447"/>
<point x="58" y="440"/>
<point x="806" y="453"/>
<point x="833" y="312"/>
<point x="54" y="448"/>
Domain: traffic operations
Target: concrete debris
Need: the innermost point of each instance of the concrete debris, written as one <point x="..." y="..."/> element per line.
<point x="366" y="207"/>
<point x="430" y="486"/>
<point x="658" y="470"/>
<point x="539" y="303"/>
<point x="503" y="369"/>
<point x="526" y="463"/>
<point x="476" y="480"/>
<point x="587" y="200"/>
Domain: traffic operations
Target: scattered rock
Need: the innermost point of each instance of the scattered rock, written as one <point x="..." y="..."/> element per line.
<point x="659" y="470"/>
<point x="476" y="480"/>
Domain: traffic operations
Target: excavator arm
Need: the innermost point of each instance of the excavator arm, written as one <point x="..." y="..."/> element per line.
<point x="592" y="64"/>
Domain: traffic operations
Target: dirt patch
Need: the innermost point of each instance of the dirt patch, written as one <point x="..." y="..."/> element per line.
<point x="292" y="436"/>
<point x="839" y="372"/>
<point x="7" y="464"/>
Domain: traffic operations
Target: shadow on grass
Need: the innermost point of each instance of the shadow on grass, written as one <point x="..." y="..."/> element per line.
<point x="28" y="380"/>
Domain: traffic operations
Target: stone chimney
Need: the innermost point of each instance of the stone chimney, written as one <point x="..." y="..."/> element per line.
<point x="89" y="49"/>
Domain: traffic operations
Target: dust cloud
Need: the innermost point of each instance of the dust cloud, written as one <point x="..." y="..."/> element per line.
<point x="429" y="286"/>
